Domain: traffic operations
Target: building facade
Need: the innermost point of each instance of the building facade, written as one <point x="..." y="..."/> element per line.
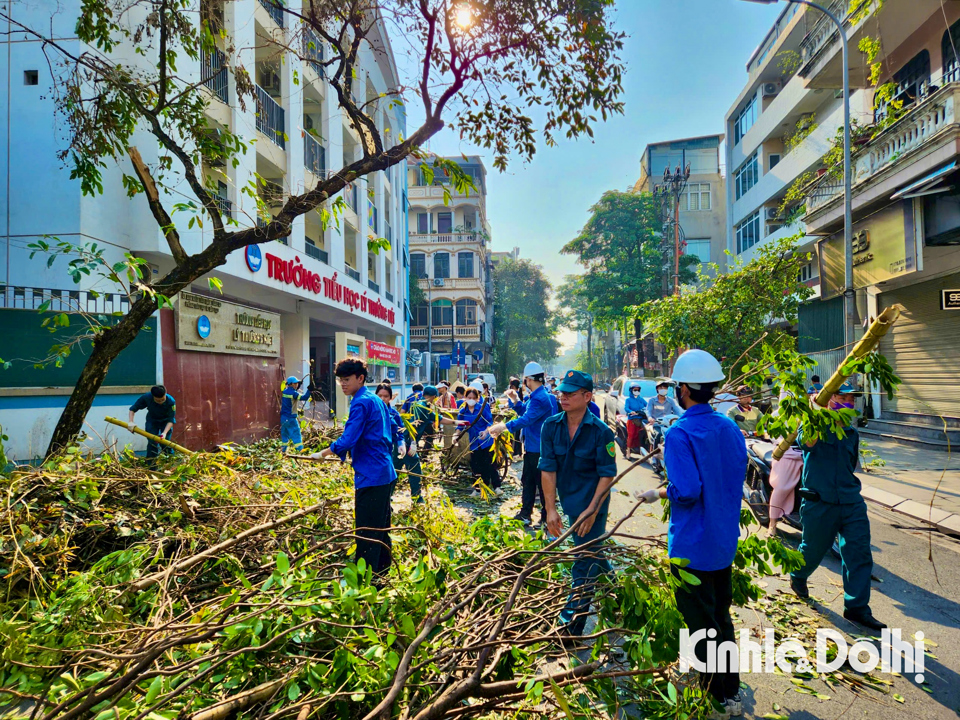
<point x="451" y="260"/>
<point x="286" y="308"/>
<point x="702" y="204"/>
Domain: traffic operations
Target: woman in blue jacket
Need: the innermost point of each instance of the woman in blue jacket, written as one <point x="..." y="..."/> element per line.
<point x="475" y="415"/>
<point x="401" y="438"/>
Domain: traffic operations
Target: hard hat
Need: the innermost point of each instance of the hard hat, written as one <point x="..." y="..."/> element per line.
<point x="696" y="368"/>
<point x="293" y="379"/>
<point x="532" y="368"/>
<point x="477" y="385"/>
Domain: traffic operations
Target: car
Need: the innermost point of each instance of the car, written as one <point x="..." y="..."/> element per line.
<point x="613" y="402"/>
<point x="487" y="378"/>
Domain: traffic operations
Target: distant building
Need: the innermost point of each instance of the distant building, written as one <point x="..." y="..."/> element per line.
<point x="498" y="257"/>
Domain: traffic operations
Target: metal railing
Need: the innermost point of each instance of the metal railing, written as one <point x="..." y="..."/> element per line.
<point x="313" y="50"/>
<point x="823" y="31"/>
<point x="445" y="237"/>
<point x="389" y="296"/>
<point x="213" y="72"/>
<point x="270" y="117"/>
<point x="274" y="10"/>
<point x="314" y="155"/>
<point x="355" y="274"/>
<point x="31" y="298"/>
<point x="373" y="286"/>
<point x="225" y="206"/>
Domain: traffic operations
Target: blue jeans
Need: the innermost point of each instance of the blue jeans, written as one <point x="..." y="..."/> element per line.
<point x="290" y="432"/>
<point x="589" y="565"/>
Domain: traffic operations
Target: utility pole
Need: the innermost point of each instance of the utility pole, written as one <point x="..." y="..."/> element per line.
<point x="667" y="193"/>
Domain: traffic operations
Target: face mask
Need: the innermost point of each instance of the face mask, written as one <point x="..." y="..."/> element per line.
<point x="471" y="402"/>
<point x="841" y="405"/>
<point x="634" y="392"/>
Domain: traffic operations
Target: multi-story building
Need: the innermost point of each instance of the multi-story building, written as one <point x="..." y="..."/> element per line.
<point x="702" y="207"/>
<point x="906" y="224"/>
<point x="450" y="257"/>
<point x="226" y="385"/>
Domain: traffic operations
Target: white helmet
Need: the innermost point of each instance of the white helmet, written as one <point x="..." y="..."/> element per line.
<point x="696" y="368"/>
<point x="533" y="368"/>
<point x="477" y="385"/>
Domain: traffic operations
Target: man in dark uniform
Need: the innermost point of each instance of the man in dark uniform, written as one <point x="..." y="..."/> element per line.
<point x="161" y="417"/>
<point x="578" y="461"/>
<point x="832" y="505"/>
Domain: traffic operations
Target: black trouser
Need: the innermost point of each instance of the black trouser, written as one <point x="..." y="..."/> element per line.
<point x="372" y="512"/>
<point x="481" y="464"/>
<point x="706" y="606"/>
<point x="531" y="485"/>
<point x="153" y="447"/>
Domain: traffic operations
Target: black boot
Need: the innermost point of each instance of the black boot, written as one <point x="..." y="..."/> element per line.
<point x="799" y="587"/>
<point x="863" y="617"/>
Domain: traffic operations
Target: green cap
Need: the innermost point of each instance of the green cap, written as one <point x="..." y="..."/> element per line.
<point x="574" y="380"/>
<point x="430" y="391"/>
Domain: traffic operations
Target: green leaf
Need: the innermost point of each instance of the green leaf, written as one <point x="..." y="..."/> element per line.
<point x="688" y="578"/>
<point x="293" y="692"/>
<point x="283" y="563"/>
<point x="154" y="690"/>
<point x="898" y="697"/>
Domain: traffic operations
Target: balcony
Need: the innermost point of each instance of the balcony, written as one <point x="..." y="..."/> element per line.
<point x="317" y="253"/>
<point x="224" y="205"/>
<point x="270" y="118"/>
<point x="443" y="333"/>
<point x="313" y="51"/>
<point x="213" y="73"/>
<point x="451" y="283"/>
<point x="373" y="286"/>
<point x="389" y="296"/>
<point x="274" y="10"/>
<point x="449" y="238"/>
<point x="355" y="274"/>
<point x="314" y="156"/>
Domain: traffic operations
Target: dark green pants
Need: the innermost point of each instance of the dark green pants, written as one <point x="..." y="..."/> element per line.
<point x="822" y="522"/>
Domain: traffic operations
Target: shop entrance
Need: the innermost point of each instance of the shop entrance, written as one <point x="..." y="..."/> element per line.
<point x="322" y="363"/>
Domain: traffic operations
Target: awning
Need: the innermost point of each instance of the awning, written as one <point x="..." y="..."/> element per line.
<point x="927" y="185"/>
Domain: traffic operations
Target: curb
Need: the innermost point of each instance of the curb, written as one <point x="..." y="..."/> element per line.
<point x="945" y="522"/>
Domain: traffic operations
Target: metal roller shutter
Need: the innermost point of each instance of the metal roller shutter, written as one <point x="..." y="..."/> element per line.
<point x="923" y="348"/>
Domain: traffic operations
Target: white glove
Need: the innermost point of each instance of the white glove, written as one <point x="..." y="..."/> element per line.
<point x="316" y="456"/>
<point x="412" y="450"/>
<point x="131" y="426"/>
<point x="648" y="496"/>
<point x="401" y="450"/>
<point x="494" y="430"/>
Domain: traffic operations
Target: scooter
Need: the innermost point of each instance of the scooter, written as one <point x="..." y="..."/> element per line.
<point x="660" y="428"/>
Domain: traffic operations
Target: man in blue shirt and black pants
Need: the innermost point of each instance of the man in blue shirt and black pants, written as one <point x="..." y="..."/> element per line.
<point x="368" y="436"/>
<point x="706" y="459"/>
<point x="161" y="417"/>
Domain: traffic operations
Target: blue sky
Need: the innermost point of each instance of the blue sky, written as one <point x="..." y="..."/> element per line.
<point x="685" y="66"/>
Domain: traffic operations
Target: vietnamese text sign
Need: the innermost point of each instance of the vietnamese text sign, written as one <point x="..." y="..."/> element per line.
<point x="211" y="325"/>
<point x="379" y="353"/>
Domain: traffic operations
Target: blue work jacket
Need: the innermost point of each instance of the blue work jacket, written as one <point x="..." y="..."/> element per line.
<point x="828" y="468"/>
<point x="288" y="402"/>
<point x="157" y="413"/>
<point x="481" y="409"/>
<point x="635" y="405"/>
<point x="369" y="437"/>
<point x="531" y="415"/>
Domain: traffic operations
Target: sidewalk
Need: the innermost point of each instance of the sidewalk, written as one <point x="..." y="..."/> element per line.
<point x="909" y="480"/>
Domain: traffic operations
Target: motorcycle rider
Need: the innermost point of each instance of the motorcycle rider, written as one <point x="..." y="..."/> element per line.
<point x="744" y="414"/>
<point x="706" y="458"/>
<point x="658" y="407"/>
<point x="636" y="409"/>
<point x="832" y="505"/>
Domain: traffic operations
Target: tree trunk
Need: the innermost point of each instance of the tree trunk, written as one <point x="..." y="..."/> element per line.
<point x="106" y="347"/>
<point x="590" y="347"/>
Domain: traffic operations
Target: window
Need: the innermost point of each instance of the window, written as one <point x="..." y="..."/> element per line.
<point x="442" y="313"/>
<point x="698" y="197"/>
<point x="773" y="159"/>
<point x="423" y="223"/>
<point x="418" y="265"/>
<point x="699" y="247"/>
<point x="809" y="272"/>
<point x="466" y="312"/>
<point x="747" y="175"/>
<point x="31" y="77"/>
<point x="419" y="313"/>
<point x="745" y="120"/>
<point x="912" y="82"/>
<point x="948" y="49"/>
<point x="465" y="265"/>
<point x="444" y="222"/>
<point x="441" y="265"/>
<point x="748" y="232"/>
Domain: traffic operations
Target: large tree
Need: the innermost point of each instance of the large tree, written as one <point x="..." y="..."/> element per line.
<point x="481" y="66"/>
<point x="734" y="309"/>
<point x="574" y="307"/>
<point x="524" y="326"/>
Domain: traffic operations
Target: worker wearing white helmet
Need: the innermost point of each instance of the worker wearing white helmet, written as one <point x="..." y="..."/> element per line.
<point x="706" y="459"/>
<point x="531" y="415"/>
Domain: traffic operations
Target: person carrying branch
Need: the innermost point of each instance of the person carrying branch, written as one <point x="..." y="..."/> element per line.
<point x="476" y="417"/>
<point x="289" y="419"/>
<point x="368" y="436"/>
<point x="578" y="461"/>
<point x="161" y="417"/>
<point x="426" y="417"/>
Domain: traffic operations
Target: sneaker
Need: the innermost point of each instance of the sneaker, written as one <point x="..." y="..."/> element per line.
<point x="799" y="587"/>
<point x="734" y="706"/>
<point x="475" y="493"/>
<point x="498" y="491"/>
<point x="527" y="521"/>
<point x="865" y="618"/>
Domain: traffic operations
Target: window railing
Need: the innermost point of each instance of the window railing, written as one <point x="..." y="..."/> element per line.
<point x="313" y="50"/>
<point x="274" y="10"/>
<point x="314" y="155"/>
<point x="213" y="72"/>
<point x="389" y="296"/>
<point x="224" y="205"/>
<point x="270" y="118"/>
<point x="373" y="286"/>
<point x="355" y="274"/>
<point x="317" y="253"/>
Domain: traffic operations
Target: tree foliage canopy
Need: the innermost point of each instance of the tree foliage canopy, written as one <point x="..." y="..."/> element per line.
<point x="525" y="326"/>
<point x="734" y="309"/>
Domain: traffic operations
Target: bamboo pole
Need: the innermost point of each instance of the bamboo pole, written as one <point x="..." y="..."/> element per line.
<point x="150" y="436"/>
<point x="871" y="338"/>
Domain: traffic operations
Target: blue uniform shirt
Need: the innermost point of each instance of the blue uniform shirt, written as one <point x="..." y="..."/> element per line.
<point x="537" y="408"/>
<point x="829" y="465"/>
<point x="579" y="463"/>
<point x="369" y="435"/>
<point x="706" y="459"/>
<point x="400" y="434"/>
<point x="411" y="399"/>
<point x="486" y="420"/>
<point x="635" y="405"/>
<point x="157" y="413"/>
<point x="288" y="401"/>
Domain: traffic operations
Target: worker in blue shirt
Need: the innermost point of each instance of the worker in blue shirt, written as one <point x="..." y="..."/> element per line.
<point x="398" y="429"/>
<point x="426" y="417"/>
<point x="289" y="420"/>
<point x="368" y="436"/>
<point x="706" y="458"/>
<point x="578" y="461"/>
<point x="832" y="505"/>
<point x="414" y="396"/>
<point x="535" y="410"/>
<point x="161" y="417"/>
<point x="475" y="416"/>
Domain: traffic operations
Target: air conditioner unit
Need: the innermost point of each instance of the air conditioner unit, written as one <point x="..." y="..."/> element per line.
<point x="773" y="213"/>
<point x="438" y="282"/>
<point x="270" y="81"/>
<point x="771" y="89"/>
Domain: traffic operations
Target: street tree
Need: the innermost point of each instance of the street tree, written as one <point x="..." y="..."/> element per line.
<point x="574" y="306"/>
<point x="526" y="328"/>
<point x="734" y="309"/>
<point x="481" y="70"/>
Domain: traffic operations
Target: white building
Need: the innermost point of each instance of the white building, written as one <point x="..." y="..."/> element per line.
<point x="345" y="300"/>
